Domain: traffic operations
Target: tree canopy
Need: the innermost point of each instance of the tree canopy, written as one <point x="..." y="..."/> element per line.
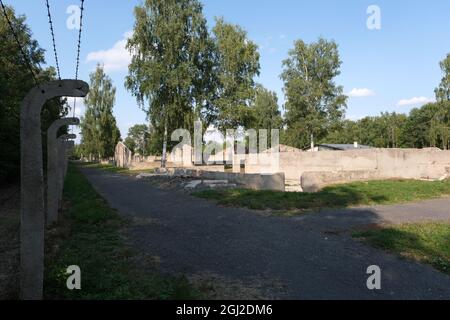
<point x="237" y="66"/>
<point x="443" y="91"/>
<point x="172" y="63"/>
<point x="314" y="102"/>
<point x="15" y="82"/>
<point x="138" y="139"/>
<point x="98" y="126"/>
<point x="265" y="112"/>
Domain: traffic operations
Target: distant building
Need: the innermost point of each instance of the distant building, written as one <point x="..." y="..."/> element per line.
<point x="284" y="148"/>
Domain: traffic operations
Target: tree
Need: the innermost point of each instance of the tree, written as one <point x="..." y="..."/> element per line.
<point x="172" y="65"/>
<point x="238" y="64"/>
<point x="265" y="113"/>
<point x="428" y="126"/>
<point x="138" y="139"/>
<point x="384" y="131"/>
<point x="15" y="82"/>
<point x="314" y="102"/>
<point x="443" y="91"/>
<point x="100" y="134"/>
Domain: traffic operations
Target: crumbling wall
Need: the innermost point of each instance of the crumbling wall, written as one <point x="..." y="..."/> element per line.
<point x="122" y="156"/>
<point x="429" y="163"/>
<point x="274" y="182"/>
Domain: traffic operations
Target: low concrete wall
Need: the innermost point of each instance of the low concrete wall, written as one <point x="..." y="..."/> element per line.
<point x="389" y="163"/>
<point x="315" y="181"/>
<point x="213" y="168"/>
<point x="275" y="182"/>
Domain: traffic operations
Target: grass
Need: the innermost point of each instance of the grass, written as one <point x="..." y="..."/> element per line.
<point x="339" y="196"/>
<point x="113" y="169"/>
<point x="424" y="242"/>
<point x="91" y="237"/>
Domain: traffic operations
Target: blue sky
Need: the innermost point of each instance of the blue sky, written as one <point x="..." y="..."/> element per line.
<point x="391" y="69"/>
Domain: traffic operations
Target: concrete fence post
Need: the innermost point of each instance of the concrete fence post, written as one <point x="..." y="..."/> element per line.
<point x="69" y="147"/>
<point x="61" y="169"/>
<point x="32" y="211"/>
<point x="52" y="167"/>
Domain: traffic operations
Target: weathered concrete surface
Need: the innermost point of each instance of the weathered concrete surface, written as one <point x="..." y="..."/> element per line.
<point x="195" y="236"/>
<point x="315" y="181"/>
<point x="62" y="165"/>
<point x="32" y="210"/>
<point x="377" y="163"/>
<point x="275" y="181"/>
<point x="70" y="145"/>
<point x="122" y="156"/>
<point x="52" y="167"/>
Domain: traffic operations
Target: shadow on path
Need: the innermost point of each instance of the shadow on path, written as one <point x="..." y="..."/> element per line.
<point x="195" y="236"/>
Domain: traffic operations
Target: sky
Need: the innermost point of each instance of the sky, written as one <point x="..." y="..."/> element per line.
<point x="390" y="61"/>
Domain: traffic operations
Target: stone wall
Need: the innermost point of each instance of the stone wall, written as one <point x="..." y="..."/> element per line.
<point x="275" y="182"/>
<point x="316" y="180"/>
<point x="122" y="156"/>
<point x="376" y="163"/>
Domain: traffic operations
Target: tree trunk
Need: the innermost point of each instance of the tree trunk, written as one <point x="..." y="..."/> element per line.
<point x="164" y="152"/>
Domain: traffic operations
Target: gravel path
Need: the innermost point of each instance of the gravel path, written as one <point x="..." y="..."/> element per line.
<point x="294" y="258"/>
<point x="348" y="219"/>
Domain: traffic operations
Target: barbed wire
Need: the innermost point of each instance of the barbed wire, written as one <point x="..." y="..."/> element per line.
<point x="78" y="52"/>
<point x="24" y="55"/>
<point x="53" y="38"/>
<point x="79" y="39"/>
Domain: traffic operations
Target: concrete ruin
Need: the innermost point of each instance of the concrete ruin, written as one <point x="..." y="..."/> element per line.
<point x="315" y="170"/>
<point x="122" y="156"/>
<point x="271" y="181"/>
<point x="312" y="171"/>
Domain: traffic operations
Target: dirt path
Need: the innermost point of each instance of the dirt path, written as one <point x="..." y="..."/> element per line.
<point x="277" y="257"/>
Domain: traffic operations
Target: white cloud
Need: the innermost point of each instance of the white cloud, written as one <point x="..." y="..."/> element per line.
<point x="361" y="92"/>
<point x="415" y="101"/>
<point x="116" y="58"/>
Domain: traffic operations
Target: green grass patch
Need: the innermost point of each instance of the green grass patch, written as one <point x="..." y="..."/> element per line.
<point x="424" y="242"/>
<point x="345" y="195"/>
<point x="113" y="169"/>
<point x="90" y="236"/>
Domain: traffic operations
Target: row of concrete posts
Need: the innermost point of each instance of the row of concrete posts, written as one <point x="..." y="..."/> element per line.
<point x="40" y="201"/>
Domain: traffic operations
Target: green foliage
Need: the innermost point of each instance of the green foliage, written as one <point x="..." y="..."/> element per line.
<point x="172" y="64"/>
<point x="428" y="126"/>
<point x="15" y="82"/>
<point x="109" y="267"/>
<point x="265" y="112"/>
<point x="424" y="242"/>
<point x="384" y="131"/>
<point x="100" y="134"/>
<point x="237" y="65"/>
<point x="138" y="139"/>
<point x="358" y="193"/>
<point x="443" y="91"/>
<point x="314" y="103"/>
